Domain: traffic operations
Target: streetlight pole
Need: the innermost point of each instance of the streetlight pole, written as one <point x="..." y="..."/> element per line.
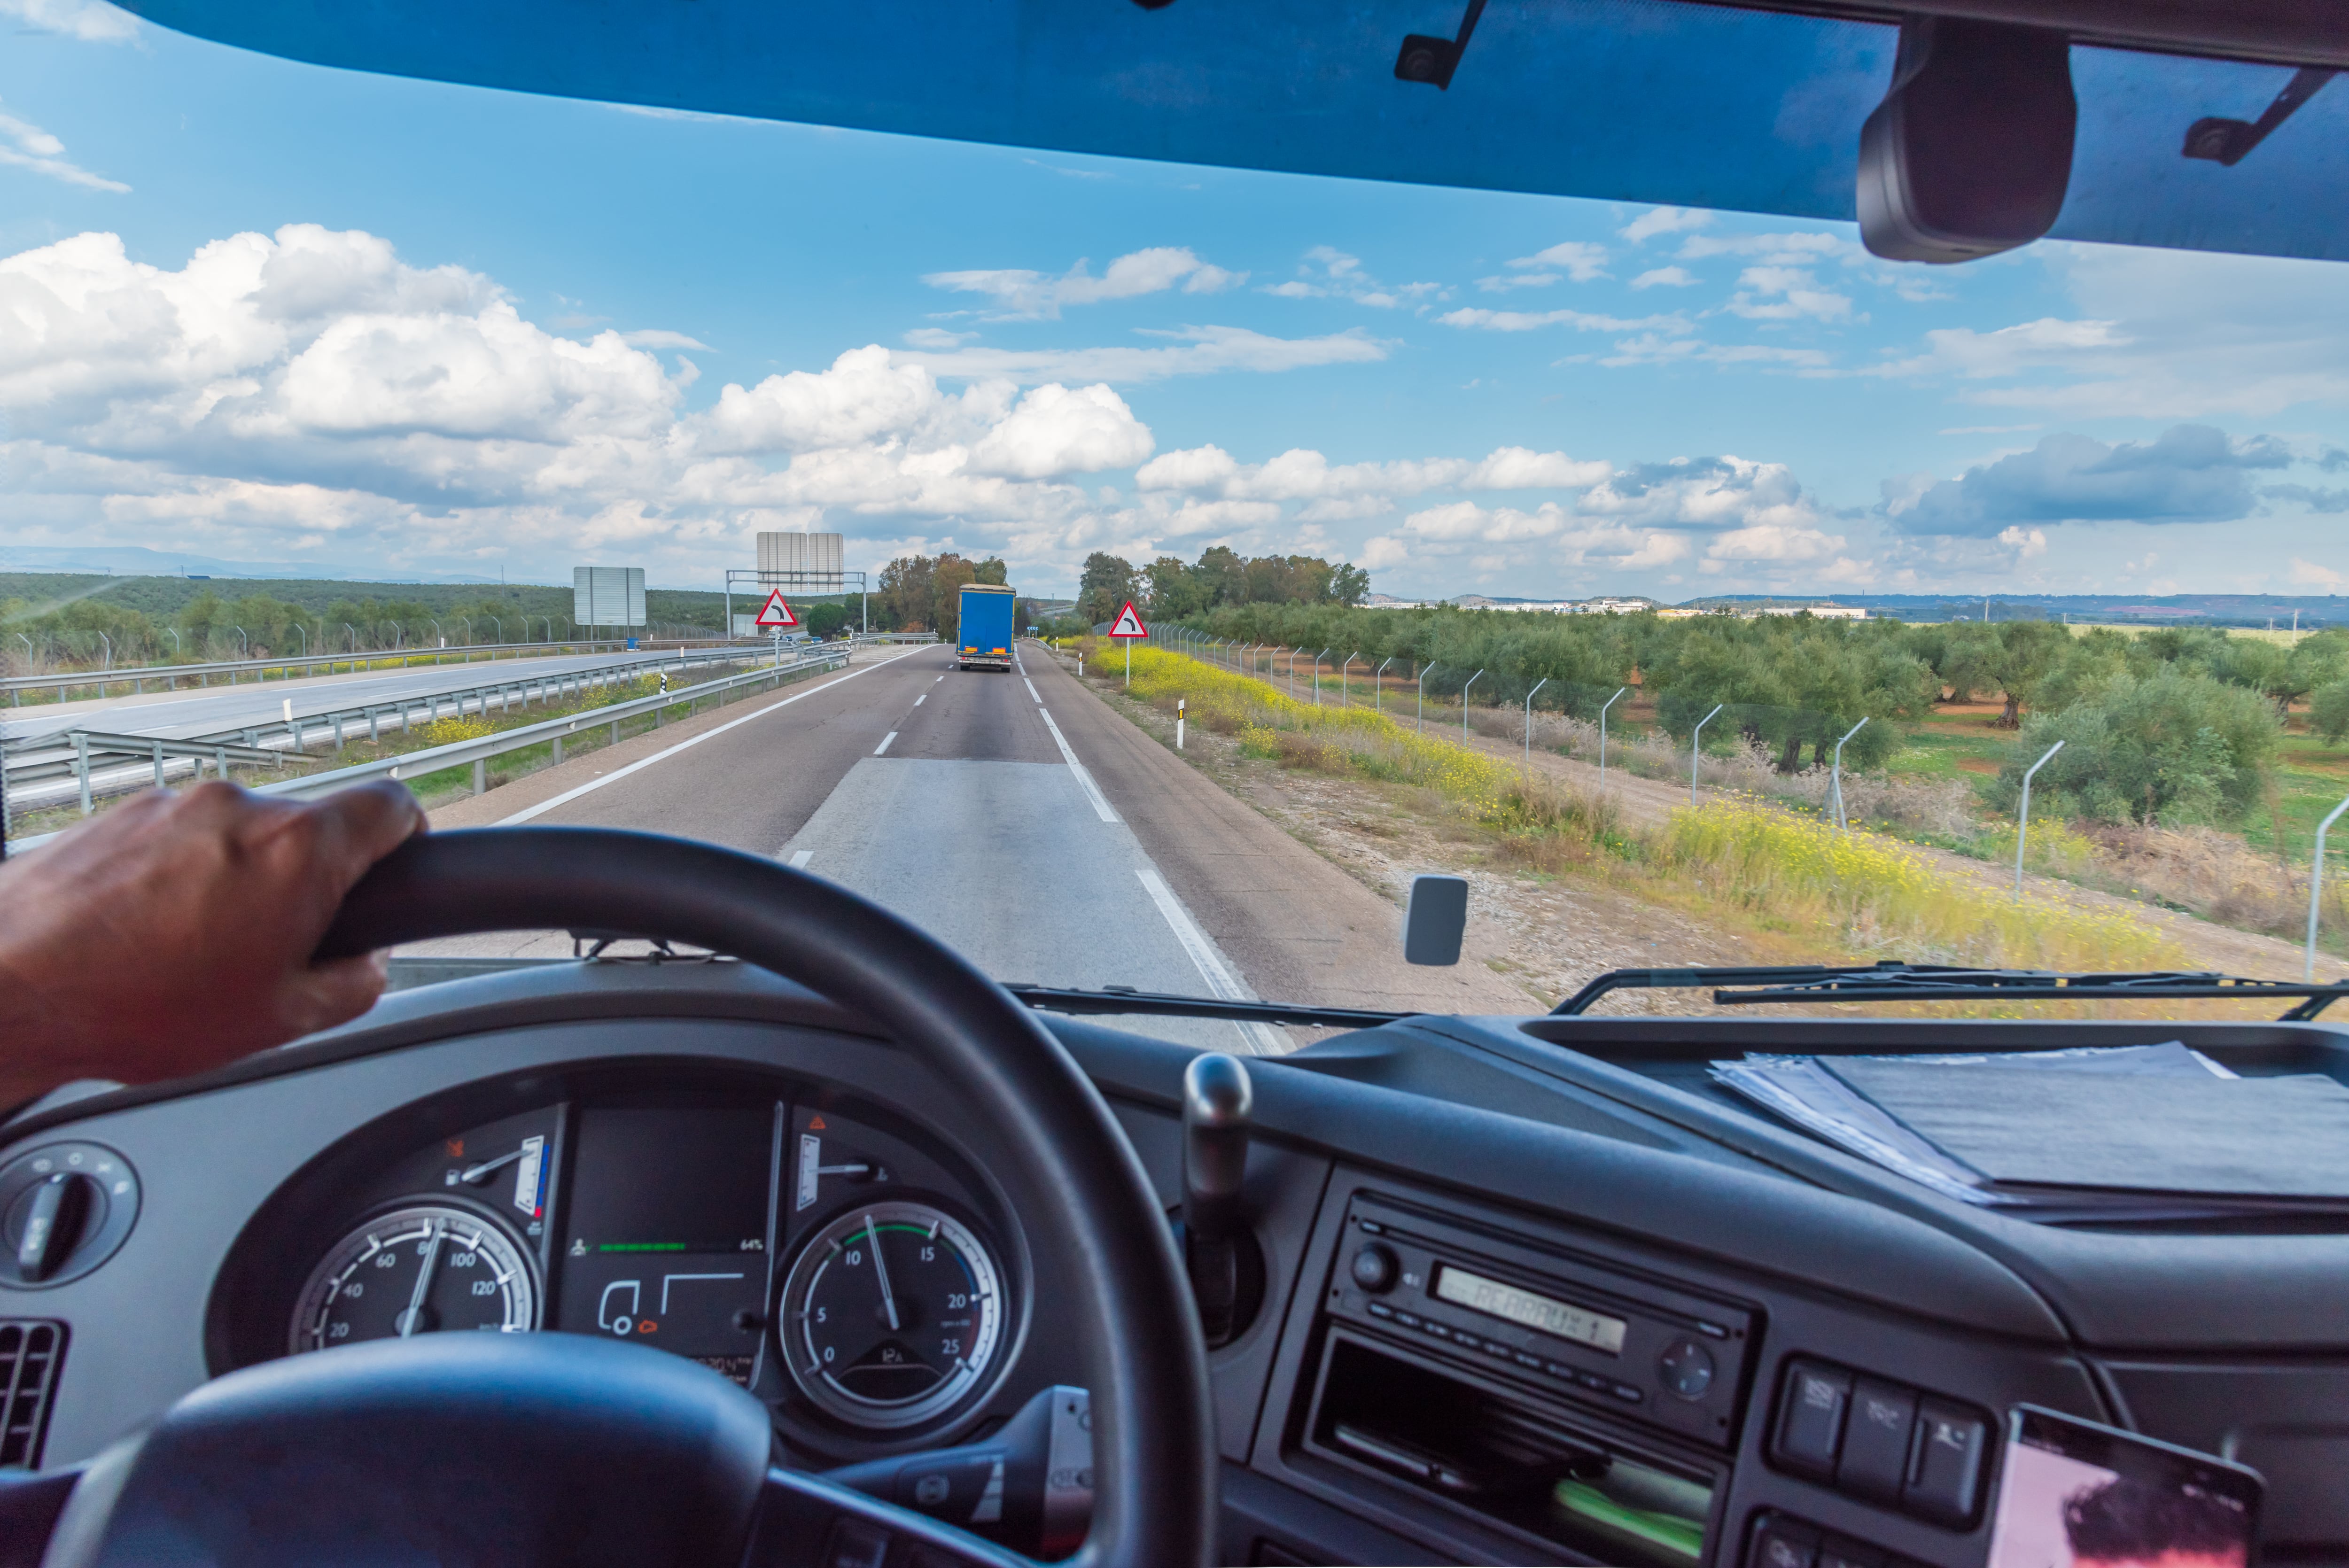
<point x="1696" y="750"/>
<point x="1378" y="687"/>
<point x="1602" y="730"/>
<point x="2022" y="819"/>
<point x="1529" y="720"/>
<point x="1464" y="707"/>
<point x="2316" y="889"/>
<point x="1835" y="782"/>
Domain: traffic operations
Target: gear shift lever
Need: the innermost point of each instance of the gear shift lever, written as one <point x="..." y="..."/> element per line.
<point x="1220" y="1250"/>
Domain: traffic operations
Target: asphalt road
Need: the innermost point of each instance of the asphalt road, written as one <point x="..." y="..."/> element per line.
<point x="208" y="710"/>
<point x="944" y="795"/>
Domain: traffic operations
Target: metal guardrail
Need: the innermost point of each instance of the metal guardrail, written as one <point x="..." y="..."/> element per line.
<point x="137" y="677"/>
<point x="76" y="753"/>
<point x="916" y="638"/>
<point x="438" y="759"/>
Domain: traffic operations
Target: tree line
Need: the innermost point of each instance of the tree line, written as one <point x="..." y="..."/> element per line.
<point x="2176" y="724"/>
<point x="1221" y="578"/>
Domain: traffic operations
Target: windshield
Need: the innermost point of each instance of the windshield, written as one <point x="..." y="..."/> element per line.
<point x="1138" y="574"/>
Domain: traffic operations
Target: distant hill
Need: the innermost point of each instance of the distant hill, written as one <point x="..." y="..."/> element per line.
<point x="138" y="560"/>
<point x="2316" y="610"/>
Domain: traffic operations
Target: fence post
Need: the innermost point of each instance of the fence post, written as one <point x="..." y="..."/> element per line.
<point x="2316" y="888"/>
<point x="1378" y="687"/>
<point x="1180" y="704"/>
<point x="81" y="768"/>
<point x="480" y="775"/>
<point x="1602" y="730"/>
<point x="1696" y="750"/>
<point x="1530" y="721"/>
<point x="1421" y="724"/>
<point x="1842" y="821"/>
<point x="2022" y="819"/>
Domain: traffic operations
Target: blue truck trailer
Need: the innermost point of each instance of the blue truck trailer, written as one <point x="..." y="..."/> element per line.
<point x="983" y="632"/>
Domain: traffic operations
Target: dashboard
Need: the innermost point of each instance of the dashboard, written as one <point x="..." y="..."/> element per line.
<point x="1529" y="1295"/>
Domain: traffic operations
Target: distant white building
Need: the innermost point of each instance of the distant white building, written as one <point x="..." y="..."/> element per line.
<point x="1824" y="612"/>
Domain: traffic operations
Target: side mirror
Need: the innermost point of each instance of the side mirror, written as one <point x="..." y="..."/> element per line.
<point x="1434" y="919"/>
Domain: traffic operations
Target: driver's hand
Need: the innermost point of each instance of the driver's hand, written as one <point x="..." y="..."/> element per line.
<point x="174" y="933"/>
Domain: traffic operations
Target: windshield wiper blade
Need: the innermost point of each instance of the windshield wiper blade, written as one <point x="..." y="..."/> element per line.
<point x="1161" y="1004"/>
<point x="1893" y="980"/>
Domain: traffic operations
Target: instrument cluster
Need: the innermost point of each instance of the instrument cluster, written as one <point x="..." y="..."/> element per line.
<point x="828" y="1258"/>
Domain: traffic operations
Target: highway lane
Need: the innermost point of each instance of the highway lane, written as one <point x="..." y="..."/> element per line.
<point x="947" y="796"/>
<point x="207" y="710"/>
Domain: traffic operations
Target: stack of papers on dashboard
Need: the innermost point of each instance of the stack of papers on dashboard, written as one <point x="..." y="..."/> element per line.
<point x="2112" y="1134"/>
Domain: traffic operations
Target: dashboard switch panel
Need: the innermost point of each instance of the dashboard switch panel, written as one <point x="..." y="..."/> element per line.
<point x="1882" y="1440"/>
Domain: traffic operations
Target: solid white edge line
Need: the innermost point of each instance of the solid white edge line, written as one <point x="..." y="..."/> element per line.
<point x="884" y="746"/>
<point x="1084" y="780"/>
<point x="799" y="857"/>
<point x="1264" y="1040"/>
<point x="620" y="773"/>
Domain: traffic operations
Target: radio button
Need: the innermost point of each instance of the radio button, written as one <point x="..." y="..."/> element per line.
<point x="1627" y="1393"/>
<point x="1375" y="1268"/>
<point x="1810" y="1423"/>
<point x="1380" y="1309"/>
<point x="1531" y="1362"/>
<point x="1408" y="1319"/>
<point x="1783" y="1543"/>
<point x="1686" y="1368"/>
<point x="1876" y="1442"/>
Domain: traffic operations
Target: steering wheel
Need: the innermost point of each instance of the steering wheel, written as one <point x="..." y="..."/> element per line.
<point x="556" y="1449"/>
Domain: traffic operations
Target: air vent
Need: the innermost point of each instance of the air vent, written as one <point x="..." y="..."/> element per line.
<point x="32" y="1350"/>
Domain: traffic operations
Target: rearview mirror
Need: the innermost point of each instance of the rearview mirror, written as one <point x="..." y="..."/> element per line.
<point x="1433" y="920"/>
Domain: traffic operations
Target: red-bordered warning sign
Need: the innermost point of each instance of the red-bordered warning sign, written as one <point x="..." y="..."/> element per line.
<point x="777" y="616"/>
<point x="1128" y="625"/>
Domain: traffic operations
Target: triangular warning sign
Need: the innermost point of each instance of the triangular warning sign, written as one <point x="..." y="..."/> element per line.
<point x="777" y="615"/>
<point x="1128" y="625"/>
<point x="816" y="1124"/>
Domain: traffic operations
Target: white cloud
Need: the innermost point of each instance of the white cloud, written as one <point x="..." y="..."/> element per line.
<point x="2310" y="574"/>
<point x="1328" y="272"/>
<point x="2191" y="473"/>
<point x="1774" y="542"/>
<point x="1576" y="259"/>
<point x="37" y="150"/>
<point x="1200" y="351"/>
<point x="937" y="338"/>
<point x="2025" y="543"/>
<point x="91" y="21"/>
<point x="1663" y="221"/>
<point x="1664" y="278"/>
<point x="1055" y="431"/>
<point x="1581" y="321"/>
<point x="1302" y="474"/>
<point x="1785" y="293"/>
<point x="1021" y="294"/>
<point x="1795" y="250"/>
<point x="2159" y="335"/>
<point x="656" y="337"/>
<point x="1651" y="349"/>
<point x="280" y="395"/>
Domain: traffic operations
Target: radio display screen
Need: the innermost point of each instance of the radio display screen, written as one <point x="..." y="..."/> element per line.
<point x="1579" y="1324"/>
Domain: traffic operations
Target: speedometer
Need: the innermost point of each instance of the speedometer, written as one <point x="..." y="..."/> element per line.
<point x="424" y="1269"/>
<point x="892" y="1313"/>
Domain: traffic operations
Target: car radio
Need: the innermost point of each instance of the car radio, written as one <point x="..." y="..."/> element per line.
<point x="1531" y="1313"/>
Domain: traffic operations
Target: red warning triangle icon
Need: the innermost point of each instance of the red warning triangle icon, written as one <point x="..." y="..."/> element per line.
<point x="816" y="1124"/>
<point x="777" y="615"/>
<point x="1128" y="625"/>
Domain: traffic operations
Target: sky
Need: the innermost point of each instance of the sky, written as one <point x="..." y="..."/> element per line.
<point x="259" y="311"/>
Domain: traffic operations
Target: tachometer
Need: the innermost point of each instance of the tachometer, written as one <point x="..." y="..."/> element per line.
<point x="892" y="1313"/>
<point x="426" y="1269"/>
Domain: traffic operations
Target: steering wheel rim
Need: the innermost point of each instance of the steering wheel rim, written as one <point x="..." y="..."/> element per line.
<point x="1153" y="1437"/>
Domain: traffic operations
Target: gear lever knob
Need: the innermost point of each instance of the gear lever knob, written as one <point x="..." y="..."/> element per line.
<point x="1217" y="1101"/>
